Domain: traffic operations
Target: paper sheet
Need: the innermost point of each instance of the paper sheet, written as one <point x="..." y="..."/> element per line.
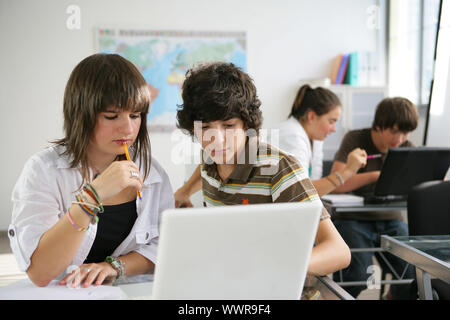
<point x="26" y="290"/>
<point x="344" y="199"/>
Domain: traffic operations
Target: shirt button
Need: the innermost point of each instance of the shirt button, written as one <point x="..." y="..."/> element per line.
<point x="11" y="232"/>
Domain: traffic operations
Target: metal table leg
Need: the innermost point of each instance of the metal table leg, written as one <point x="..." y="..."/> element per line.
<point x="424" y="285"/>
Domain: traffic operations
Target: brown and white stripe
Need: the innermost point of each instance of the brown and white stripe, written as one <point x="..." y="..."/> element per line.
<point x="274" y="177"/>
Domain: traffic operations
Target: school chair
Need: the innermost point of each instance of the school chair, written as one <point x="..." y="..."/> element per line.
<point x="429" y="214"/>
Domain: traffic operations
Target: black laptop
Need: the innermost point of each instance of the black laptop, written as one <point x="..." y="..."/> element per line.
<point x="406" y="167"/>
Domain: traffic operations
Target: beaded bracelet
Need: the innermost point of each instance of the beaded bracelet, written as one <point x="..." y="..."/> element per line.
<point x="118" y="265"/>
<point x="74" y="224"/>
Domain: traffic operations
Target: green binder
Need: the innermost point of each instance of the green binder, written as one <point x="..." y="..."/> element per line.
<point x="351" y="76"/>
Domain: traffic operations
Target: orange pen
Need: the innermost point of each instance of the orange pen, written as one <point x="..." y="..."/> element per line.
<point x="125" y="148"/>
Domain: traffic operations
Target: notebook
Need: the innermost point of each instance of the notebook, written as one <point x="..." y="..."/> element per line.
<point x="344" y="199"/>
<point x="250" y="252"/>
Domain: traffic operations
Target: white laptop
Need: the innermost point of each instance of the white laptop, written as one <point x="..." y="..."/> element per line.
<point x="235" y="252"/>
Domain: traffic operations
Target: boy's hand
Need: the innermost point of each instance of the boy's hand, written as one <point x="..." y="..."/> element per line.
<point x="182" y="199"/>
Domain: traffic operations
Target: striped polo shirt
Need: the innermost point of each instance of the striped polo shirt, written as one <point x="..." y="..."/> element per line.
<point x="264" y="174"/>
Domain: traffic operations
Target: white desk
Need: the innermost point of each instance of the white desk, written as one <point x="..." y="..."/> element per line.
<point x="329" y="290"/>
<point x="138" y="291"/>
<point x="129" y="290"/>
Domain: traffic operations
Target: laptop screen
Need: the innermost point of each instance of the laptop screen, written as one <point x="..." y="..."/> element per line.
<point x="407" y="167"/>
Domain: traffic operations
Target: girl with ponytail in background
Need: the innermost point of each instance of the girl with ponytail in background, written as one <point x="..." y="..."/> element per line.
<point x="313" y="117"/>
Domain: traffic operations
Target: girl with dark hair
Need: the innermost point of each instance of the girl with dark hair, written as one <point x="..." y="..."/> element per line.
<point x="75" y="203"/>
<point x="313" y="116"/>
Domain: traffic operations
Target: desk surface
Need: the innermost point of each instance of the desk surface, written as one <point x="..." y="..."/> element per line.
<point x="329" y="290"/>
<point x="360" y="211"/>
<point x="390" y="206"/>
<point x="429" y="253"/>
<point x="134" y="288"/>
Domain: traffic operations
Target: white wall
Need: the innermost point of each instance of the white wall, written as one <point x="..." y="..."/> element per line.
<point x="287" y="40"/>
<point x="438" y="130"/>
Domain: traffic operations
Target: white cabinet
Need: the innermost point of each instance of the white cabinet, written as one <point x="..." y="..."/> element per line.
<point x="358" y="110"/>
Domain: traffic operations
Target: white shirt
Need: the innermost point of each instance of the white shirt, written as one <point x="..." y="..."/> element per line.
<point x="45" y="191"/>
<point x="292" y="138"/>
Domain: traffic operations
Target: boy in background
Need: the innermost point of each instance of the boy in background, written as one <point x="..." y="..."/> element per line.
<point x="395" y="118"/>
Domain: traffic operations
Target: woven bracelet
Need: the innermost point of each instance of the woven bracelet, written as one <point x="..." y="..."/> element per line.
<point x="91" y="191"/>
<point x="74" y="224"/>
<point x="85" y="206"/>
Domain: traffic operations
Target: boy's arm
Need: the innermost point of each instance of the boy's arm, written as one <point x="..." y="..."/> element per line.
<point x="330" y="253"/>
<point x="183" y="194"/>
<point x="357" y="181"/>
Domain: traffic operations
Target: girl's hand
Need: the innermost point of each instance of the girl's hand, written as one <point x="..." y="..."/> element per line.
<point x="118" y="176"/>
<point x="90" y="273"/>
<point x="356" y="160"/>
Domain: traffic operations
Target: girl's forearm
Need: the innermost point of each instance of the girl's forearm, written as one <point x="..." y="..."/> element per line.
<point x="57" y="247"/>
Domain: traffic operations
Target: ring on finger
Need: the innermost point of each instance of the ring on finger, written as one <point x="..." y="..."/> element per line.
<point x="134" y="174"/>
<point x="87" y="270"/>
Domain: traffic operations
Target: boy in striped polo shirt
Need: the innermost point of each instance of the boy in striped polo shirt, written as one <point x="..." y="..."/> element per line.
<point x="221" y="111"/>
<point x="249" y="184"/>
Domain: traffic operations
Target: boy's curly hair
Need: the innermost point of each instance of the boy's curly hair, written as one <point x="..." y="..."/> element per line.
<point x="218" y="91"/>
